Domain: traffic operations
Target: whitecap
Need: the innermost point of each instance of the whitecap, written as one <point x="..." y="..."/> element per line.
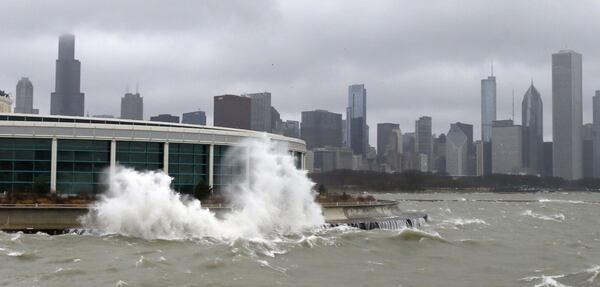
<point x="559" y="217"/>
<point x="561" y="201"/>
<point x="465" y="221"/>
<point x="15" y="253"/>
<point x="550" y="281"/>
<point x="595" y="271"/>
<point x="265" y="263"/>
<point x="140" y="261"/>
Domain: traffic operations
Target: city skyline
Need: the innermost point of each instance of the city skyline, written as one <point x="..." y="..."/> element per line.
<point x="398" y="79"/>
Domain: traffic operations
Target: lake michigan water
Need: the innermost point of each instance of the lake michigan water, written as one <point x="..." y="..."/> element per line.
<point x="481" y="239"/>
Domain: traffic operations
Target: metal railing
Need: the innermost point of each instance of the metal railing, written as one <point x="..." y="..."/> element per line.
<point x="44" y="205"/>
<point x="360" y="203"/>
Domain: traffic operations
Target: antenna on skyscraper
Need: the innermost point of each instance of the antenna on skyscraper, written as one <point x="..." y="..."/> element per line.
<point x="137" y="88"/>
<point x="492" y="67"/>
<point x="127" y="88"/>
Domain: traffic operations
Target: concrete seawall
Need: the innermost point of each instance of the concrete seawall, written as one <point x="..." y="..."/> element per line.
<point x="371" y="215"/>
<point x="54" y="219"/>
<point x="46" y="218"/>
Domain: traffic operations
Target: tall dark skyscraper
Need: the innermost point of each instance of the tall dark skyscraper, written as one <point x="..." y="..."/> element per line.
<point x="260" y="112"/>
<point x="232" y="111"/>
<point x="321" y="129"/>
<point x="533" y="131"/>
<point x="384" y="132"/>
<point x="67" y="98"/>
<point x="423" y="136"/>
<point x="24" y="100"/>
<point x="357" y="132"/>
<point x="132" y="106"/>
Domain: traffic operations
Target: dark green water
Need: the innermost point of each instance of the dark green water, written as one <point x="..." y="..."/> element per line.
<point x="545" y="239"/>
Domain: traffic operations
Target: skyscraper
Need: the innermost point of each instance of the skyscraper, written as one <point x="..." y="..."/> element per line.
<point x="439" y="153"/>
<point x="548" y="164"/>
<point x="423" y="138"/>
<point x="596" y="134"/>
<point x="194" y="118"/>
<point x="276" y="122"/>
<point x="478" y="158"/>
<point x="357" y="133"/>
<point x="566" y="114"/>
<point x="587" y="150"/>
<point x="532" y="122"/>
<point x="67" y="98"/>
<point x="488" y="115"/>
<point x="260" y="115"/>
<point x="291" y="129"/>
<point x="507" y="148"/>
<point x="390" y="158"/>
<point x="321" y="128"/>
<point x="384" y="132"/>
<point x="232" y="111"/>
<point x="488" y="107"/>
<point x="457" y="151"/>
<point x="24" y="97"/>
<point x="132" y="106"/>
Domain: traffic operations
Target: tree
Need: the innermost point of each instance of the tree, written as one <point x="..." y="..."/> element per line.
<point x="202" y="190"/>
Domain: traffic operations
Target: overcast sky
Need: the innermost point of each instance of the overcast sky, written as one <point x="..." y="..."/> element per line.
<point x="415" y="57"/>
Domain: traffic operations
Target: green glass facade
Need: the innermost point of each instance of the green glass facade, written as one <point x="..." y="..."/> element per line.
<point x="140" y="155"/>
<point x="188" y="165"/>
<point x="25" y="165"/>
<point x="225" y="171"/>
<point x="297" y="159"/>
<point x="80" y="164"/>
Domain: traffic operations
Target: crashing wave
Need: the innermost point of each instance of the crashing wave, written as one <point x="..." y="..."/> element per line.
<point x="272" y="198"/>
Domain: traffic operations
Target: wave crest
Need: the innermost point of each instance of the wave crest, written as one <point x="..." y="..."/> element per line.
<point x="274" y="198"/>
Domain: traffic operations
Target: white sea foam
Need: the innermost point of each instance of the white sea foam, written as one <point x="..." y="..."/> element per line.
<point x="559" y="217"/>
<point x="265" y="263"/>
<point x="594" y="271"/>
<point x="15" y="253"/>
<point x="465" y="221"/>
<point x="272" y="197"/>
<point x="550" y="281"/>
<point x="561" y="201"/>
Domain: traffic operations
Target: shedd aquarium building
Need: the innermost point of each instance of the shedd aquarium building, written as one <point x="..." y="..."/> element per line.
<point x="68" y="155"/>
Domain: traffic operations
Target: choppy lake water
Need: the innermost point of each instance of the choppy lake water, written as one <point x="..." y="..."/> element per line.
<point x="536" y="239"/>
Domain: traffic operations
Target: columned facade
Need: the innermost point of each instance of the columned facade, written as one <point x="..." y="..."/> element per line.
<point x="67" y="155"/>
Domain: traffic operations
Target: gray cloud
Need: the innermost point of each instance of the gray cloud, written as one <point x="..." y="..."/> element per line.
<point x="415" y="58"/>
